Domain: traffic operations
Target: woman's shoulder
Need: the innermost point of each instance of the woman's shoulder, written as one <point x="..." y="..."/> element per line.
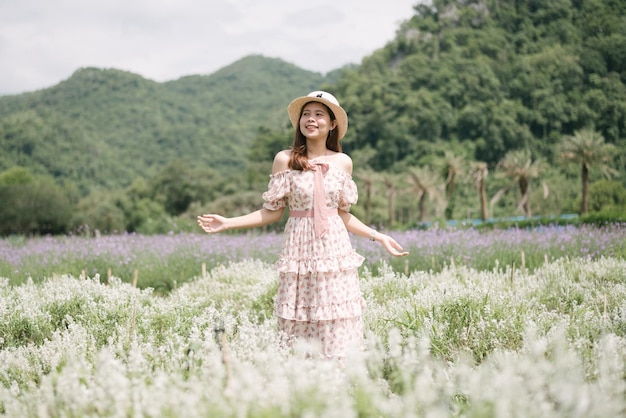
<point x="342" y="161"/>
<point x="281" y="161"/>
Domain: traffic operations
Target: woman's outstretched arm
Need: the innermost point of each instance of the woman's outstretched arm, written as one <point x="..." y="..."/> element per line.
<point x="355" y="226"/>
<point x="212" y="223"/>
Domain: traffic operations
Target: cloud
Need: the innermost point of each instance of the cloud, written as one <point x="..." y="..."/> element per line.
<point x="43" y="41"/>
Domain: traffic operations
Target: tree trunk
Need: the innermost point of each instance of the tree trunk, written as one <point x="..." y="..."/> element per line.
<point x="524" y="188"/>
<point x="422" y="208"/>
<point x="450" y="186"/>
<point x="483" y="200"/>
<point x="584" y="204"/>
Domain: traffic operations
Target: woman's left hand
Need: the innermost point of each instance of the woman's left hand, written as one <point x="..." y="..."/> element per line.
<point x="391" y="245"/>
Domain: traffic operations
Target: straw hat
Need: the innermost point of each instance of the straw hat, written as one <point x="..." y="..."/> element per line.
<point x="295" y="109"/>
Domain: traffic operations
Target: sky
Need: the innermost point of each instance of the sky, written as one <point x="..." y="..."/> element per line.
<point x="43" y="42"/>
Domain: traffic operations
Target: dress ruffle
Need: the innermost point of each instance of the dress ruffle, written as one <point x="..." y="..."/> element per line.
<point x="319" y="296"/>
<point x="322" y="265"/>
<point x="303" y="253"/>
<point x="348" y="309"/>
<point x="349" y="194"/>
<point x="277" y="190"/>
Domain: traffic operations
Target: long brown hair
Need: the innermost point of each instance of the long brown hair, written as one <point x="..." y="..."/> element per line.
<point x="298" y="159"/>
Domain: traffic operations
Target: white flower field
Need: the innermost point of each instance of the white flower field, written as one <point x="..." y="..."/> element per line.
<point x="456" y="342"/>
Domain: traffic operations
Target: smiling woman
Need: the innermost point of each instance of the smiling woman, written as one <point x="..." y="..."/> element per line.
<point x="318" y="297"/>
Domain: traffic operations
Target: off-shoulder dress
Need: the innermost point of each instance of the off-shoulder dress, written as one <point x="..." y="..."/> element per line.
<point x="319" y="297"/>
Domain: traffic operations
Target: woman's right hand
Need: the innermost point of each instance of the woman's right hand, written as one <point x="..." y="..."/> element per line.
<point x="212" y="223"/>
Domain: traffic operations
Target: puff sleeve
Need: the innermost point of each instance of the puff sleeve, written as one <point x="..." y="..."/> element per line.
<point x="349" y="194"/>
<point x="278" y="190"/>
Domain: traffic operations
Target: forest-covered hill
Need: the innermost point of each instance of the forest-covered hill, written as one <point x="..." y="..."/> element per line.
<point x="470" y="93"/>
<point x="105" y="127"/>
<point x="492" y="75"/>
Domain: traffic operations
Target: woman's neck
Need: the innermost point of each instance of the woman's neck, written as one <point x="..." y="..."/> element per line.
<point x="312" y="156"/>
<point x="316" y="151"/>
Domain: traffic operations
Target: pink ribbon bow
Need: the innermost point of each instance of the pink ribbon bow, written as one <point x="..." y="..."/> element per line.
<point x="320" y="210"/>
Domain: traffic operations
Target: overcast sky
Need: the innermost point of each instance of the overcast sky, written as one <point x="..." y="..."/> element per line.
<point x="42" y="42"/>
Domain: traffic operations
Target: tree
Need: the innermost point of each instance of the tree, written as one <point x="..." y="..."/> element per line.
<point x="32" y="204"/>
<point x="100" y="213"/>
<point x="479" y="171"/>
<point x="179" y="184"/>
<point x="607" y="195"/>
<point x="519" y="166"/>
<point x="262" y="150"/>
<point x="425" y="183"/>
<point x="587" y="149"/>
<point x="452" y="166"/>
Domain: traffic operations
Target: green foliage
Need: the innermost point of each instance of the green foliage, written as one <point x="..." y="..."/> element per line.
<point x="505" y="78"/>
<point x="261" y="154"/>
<point x="32" y="204"/>
<point x="466" y="324"/>
<point x="483" y="78"/>
<point x="100" y="212"/>
<point x="607" y="195"/>
<point x="17" y="330"/>
<point x="16" y="176"/>
<point x="605" y="217"/>
<point x="178" y="185"/>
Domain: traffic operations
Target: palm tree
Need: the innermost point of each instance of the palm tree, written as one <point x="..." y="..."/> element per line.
<point x="452" y="167"/>
<point x="587" y="148"/>
<point x="519" y="166"/>
<point x="479" y="171"/>
<point x="425" y="183"/>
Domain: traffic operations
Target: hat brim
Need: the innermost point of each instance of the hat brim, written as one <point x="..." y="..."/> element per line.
<point x="295" y="109"/>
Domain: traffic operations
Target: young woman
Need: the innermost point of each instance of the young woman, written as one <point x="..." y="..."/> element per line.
<point x="319" y="298"/>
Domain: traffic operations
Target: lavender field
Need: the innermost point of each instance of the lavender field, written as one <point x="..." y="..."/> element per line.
<point x="516" y="323"/>
<point x="165" y="261"/>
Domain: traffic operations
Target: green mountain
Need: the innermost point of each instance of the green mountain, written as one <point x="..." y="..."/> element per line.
<point x="488" y="77"/>
<point x="497" y="84"/>
<point x="105" y="127"/>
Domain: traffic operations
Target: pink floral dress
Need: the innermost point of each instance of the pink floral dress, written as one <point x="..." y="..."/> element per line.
<point x="319" y="297"/>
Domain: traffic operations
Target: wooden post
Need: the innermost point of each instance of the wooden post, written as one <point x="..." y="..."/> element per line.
<point x="204" y="270"/>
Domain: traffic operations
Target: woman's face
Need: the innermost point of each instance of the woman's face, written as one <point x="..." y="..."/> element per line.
<point x="315" y="122"/>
